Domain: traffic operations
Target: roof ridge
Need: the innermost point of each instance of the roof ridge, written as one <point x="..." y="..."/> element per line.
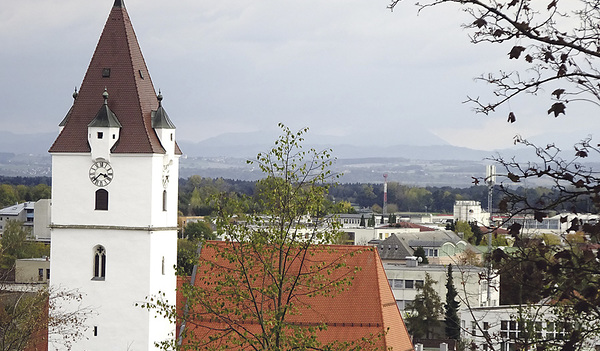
<point x="131" y="46"/>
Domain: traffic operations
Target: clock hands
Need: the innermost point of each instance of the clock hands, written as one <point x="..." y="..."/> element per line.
<point x="100" y="174"/>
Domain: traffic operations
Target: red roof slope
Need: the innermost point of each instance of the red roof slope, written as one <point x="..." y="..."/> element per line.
<point x="131" y="94"/>
<point x="366" y="308"/>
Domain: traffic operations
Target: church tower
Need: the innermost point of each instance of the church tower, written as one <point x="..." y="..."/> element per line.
<point x="114" y="196"/>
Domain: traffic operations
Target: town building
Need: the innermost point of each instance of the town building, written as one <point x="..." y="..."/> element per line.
<point x="470" y="282"/>
<point x="22" y="212"/>
<point x="470" y="211"/>
<point x="34" y="215"/>
<point x="507" y="327"/>
<point x="114" y="197"/>
<point x="32" y="270"/>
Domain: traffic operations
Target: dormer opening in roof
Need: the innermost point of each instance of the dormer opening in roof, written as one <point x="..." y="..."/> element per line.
<point x="103" y="130"/>
<point x="164" y="128"/>
<point x="62" y="123"/>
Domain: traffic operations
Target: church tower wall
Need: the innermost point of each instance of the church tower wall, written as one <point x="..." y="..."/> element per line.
<point x="114" y="198"/>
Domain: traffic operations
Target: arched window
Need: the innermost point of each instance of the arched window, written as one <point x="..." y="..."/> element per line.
<point x="99" y="263"/>
<point x="102" y="200"/>
<point x="164" y="200"/>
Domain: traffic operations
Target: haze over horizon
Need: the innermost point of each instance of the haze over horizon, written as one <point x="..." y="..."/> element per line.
<point x="352" y="71"/>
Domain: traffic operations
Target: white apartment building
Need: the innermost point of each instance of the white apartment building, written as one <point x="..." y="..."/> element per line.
<point x="472" y="290"/>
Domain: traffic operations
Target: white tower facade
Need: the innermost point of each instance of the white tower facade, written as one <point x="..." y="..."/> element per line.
<point x="114" y="197"/>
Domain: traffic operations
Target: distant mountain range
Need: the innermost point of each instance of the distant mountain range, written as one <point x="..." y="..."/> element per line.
<point x="247" y="145"/>
<point x="225" y="156"/>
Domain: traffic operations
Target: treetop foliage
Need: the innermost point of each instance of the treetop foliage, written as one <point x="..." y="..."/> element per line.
<point x="425" y="310"/>
<point x="271" y="266"/>
<point x="11" y="194"/>
<point x="15" y="244"/>
<point x="555" y="41"/>
<point x="553" y="48"/>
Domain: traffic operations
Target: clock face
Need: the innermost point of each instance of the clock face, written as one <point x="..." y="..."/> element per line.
<point x="101" y="173"/>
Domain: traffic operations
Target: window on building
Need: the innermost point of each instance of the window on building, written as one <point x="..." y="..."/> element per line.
<point x="99" y="263"/>
<point x="40" y="274"/>
<point x="538" y="330"/>
<point x="504" y="329"/>
<point x="100" y="135"/>
<point x="164" y="200"/>
<point x="101" y="200"/>
<point x="47" y="273"/>
<point x="404" y="304"/>
<point x="431" y="252"/>
<point x="95" y="331"/>
<point x="163" y="265"/>
<point x="419" y="284"/>
<point x="513" y="332"/>
<point x="409" y="284"/>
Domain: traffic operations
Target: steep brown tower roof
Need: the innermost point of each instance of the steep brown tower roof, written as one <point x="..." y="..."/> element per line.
<point x="119" y="67"/>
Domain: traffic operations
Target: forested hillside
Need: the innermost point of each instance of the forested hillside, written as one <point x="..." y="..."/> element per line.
<point x="196" y="195"/>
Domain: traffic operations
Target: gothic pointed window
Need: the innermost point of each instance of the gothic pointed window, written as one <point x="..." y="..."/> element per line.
<point x="99" y="263"/>
<point x="101" y="200"/>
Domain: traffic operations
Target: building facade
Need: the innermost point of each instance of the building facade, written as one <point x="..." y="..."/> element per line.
<point x="114" y="206"/>
<point x="405" y="280"/>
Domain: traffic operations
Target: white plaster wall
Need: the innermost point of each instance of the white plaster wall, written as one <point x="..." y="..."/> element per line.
<point x="41" y="219"/>
<point x="27" y="270"/>
<point x="101" y="147"/>
<point x="361" y="235"/>
<point x="135" y="193"/>
<point x="471" y="292"/>
<point x="133" y="272"/>
<point x="134" y="268"/>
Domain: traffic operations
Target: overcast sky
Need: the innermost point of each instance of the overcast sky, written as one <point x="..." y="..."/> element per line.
<point x="350" y="69"/>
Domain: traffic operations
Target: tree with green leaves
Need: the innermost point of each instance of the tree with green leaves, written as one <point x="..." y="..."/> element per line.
<point x="551" y="46"/>
<point x="463" y="229"/>
<point x="554" y="48"/>
<point x="371" y="222"/>
<point x="25" y="321"/>
<point x="187" y="256"/>
<point x="420" y="252"/>
<point x="362" y="220"/>
<point x="477" y="233"/>
<point x="452" y="327"/>
<point x="263" y="269"/>
<point x="14" y="244"/>
<point x="425" y="311"/>
<point x="198" y="230"/>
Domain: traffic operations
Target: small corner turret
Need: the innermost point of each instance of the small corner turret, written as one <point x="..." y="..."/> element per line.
<point x="103" y="131"/>
<point x="164" y="128"/>
<point x="62" y="123"/>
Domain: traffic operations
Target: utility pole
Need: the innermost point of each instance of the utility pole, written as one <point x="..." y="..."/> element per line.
<point x="384" y="211"/>
<point x="490" y="180"/>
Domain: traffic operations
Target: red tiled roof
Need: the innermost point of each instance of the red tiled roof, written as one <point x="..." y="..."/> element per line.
<point x="366" y="308"/>
<point x="131" y="94"/>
